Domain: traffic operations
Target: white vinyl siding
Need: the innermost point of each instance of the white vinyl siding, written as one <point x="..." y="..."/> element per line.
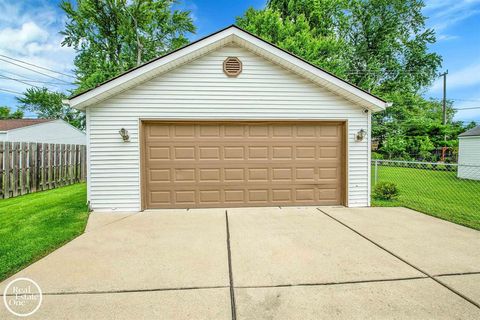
<point x="469" y="157"/>
<point x="200" y="90"/>
<point x="57" y="131"/>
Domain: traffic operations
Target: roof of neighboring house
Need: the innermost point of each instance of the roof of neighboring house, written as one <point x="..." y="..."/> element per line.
<point x="471" y="133"/>
<point x="6" y="125"/>
<point x="234" y="34"/>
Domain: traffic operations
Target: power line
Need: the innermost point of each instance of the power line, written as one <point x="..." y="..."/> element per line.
<point x="24" y="82"/>
<point x="28" y="84"/>
<point x="27" y="81"/>
<point x="470" y="108"/>
<point x="22" y="77"/>
<point x="473" y="100"/>
<point x="37" y="66"/>
<point x="30" y="80"/>
<point x="10" y="91"/>
<point x="44" y="74"/>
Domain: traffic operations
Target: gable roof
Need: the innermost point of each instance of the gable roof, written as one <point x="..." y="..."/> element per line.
<point x="231" y="34"/>
<point x="471" y="133"/>
<point x="6" y="125"/>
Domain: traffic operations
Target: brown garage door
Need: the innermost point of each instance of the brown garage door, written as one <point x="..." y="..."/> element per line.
<point x="229" y="164"/>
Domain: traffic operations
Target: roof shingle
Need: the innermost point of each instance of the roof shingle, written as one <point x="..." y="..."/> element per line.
<point x="472" y="132"/>
<point x="11" y="124"/>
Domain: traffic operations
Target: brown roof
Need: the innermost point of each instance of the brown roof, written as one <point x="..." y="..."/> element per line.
<point x="6" y="125"/>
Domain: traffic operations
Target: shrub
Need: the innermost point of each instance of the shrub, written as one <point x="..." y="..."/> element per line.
<point x="377" y="156"/>
<point x="386" y="191"/>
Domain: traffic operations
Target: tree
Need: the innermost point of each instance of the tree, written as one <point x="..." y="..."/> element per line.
<point x="424" y="146"/>
<point x="378" y="45"/>
<point x="390" y="46"/>
<point x="326" y="17"/>
<point x="415" y="118"/>
<point x="6" y="113"/>
<point x="297" y="37"/>
<point x="471" y="125"/>
<point x="384" y="42"/>
<point x="395" y="146"/>
<point x="112" y="36"/>
<point x="48" y="105"/>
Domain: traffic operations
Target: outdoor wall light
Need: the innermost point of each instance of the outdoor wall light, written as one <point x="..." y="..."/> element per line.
<point x="124" y="134"/>
<point x="360" y="135"/>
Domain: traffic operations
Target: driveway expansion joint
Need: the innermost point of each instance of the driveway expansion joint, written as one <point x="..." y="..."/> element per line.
<point x="128" y="291"/>
<point x="230" y="272"/>
<point x="403" y="260"/>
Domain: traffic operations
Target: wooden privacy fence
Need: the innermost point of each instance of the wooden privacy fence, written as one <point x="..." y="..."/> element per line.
<point x="30" y="167"/>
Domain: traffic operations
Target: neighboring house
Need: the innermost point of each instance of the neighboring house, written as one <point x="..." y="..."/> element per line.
<point x="227" y="121"/>
<point x="40" y="130"/>
<point x="469" y="154"/>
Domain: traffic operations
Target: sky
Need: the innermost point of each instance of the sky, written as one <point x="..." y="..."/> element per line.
<point x="29" y="31"/>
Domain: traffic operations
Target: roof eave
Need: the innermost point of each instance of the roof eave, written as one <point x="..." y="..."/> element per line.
<point x="150" y="70"/>
<point x="210" y="43"/>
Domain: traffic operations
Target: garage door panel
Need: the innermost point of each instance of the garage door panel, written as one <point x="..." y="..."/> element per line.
<point x="158" y="131"/>
<point x="235" y="196"/>
<point x="243" y="175"/>
<point x="234" y="152"/>
<point x="243" y="197"/>
<point x="190" y="165"/>
<point x="320" y="163"/>
<point x="158" y="153"/>
<point x="184" y="175"/>
<point x="209" y="175"/>
<point x="159" y="175"/>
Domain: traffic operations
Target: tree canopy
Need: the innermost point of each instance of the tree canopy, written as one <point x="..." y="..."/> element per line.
<point x="112" y="36"/>
<point x="48" y="105"/>
<point x="381" y="46"/>
<point x="298" y="37"/>
<point x="6" y="113"/>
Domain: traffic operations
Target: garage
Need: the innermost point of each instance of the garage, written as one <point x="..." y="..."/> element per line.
<point x="218" y="164"/>
<point x="227" y="121"/>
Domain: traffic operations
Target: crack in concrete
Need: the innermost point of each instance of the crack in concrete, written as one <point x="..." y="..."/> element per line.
<point x="105" y="225"/>
<point x="331" y="283"/>
<point x="456" y="274"/>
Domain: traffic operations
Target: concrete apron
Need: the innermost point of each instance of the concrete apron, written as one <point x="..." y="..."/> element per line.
<point x="270" y="263"/>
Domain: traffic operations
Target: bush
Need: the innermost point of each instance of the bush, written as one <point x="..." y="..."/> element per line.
<point x="377" y="156"/>
<point x="386" y="191"/>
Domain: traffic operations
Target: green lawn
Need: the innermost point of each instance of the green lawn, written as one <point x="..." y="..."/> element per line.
<point x="437" y="193"/>
<point x="34" y="225"/>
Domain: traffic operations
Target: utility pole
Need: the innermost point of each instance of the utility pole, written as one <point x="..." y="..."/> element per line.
<point x="444" y="75"/>
<point x="444" y="111"/>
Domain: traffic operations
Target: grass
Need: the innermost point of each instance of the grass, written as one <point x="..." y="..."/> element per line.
<point x="437" y="193"/>
<point x="33" y="225"/>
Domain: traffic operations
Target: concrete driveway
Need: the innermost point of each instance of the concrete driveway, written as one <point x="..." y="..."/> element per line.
<point x="262" y="263"/>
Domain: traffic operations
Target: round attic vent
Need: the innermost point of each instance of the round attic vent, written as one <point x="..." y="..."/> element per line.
<point x="232" y="66"/>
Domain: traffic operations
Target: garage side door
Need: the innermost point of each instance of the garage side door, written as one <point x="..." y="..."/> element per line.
<point x="230" y="164"/>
